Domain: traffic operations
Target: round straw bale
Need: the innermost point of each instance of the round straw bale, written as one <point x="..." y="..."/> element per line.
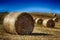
<point x="19" y="23"/>
<point x="55" y="19"/>
<point x="48" y="23"/>
<point x="54" y="15"/>
<point x="34" y="19"/>
<point x="38" y="21"/>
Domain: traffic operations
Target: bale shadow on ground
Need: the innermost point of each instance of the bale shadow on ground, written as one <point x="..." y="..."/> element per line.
<point x="37" y="34"/>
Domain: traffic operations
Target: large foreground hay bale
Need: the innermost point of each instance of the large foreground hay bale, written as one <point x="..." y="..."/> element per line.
<point x="19" y="23"/>
<point x="55" y="19"/>
<point x="38" y="20"/>
<point x="48" y="23"/>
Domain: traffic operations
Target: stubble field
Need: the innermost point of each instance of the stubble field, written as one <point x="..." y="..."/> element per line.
<point x="39" y="33"/>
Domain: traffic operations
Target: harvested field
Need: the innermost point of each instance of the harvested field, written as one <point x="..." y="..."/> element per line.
<point x="39" y="33"/>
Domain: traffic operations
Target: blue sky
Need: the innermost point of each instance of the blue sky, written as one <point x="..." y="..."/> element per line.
<point x="30" y="6"/>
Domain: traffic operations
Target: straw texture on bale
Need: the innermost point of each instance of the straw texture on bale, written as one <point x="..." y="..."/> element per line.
<point x="19" y="23"/>
<point x="48" y="23"/>
<point x="55" y="19"/>
<point x="38" y="21"/>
